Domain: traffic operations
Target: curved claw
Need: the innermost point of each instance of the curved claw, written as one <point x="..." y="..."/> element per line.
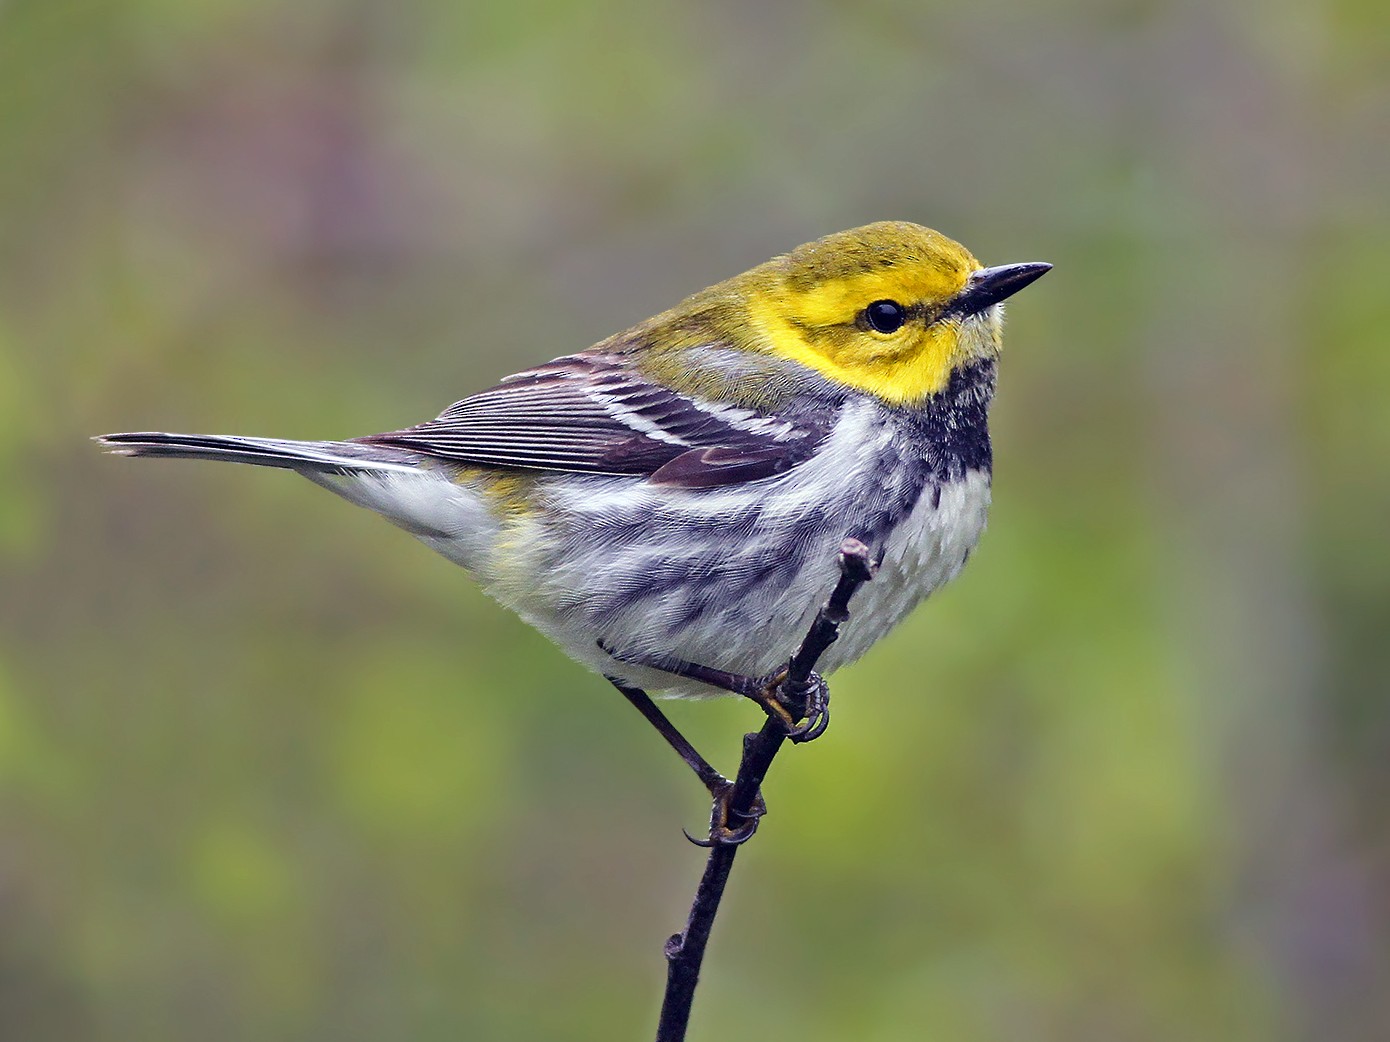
<point x="812" y="727"/>
<point x="720" y="834"/>
<point x="723" y="836"/>
<point x="815" y="695"/>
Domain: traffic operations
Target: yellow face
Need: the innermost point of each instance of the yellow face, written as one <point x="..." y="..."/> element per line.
<point x="872" y="308"/>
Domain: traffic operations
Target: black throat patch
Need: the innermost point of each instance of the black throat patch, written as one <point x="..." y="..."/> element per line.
<point x="950" y="430"/>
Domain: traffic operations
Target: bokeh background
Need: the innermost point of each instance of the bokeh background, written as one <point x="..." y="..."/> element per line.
<point x="270" y="770"/>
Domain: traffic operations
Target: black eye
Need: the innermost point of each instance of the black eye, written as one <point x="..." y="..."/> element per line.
<point x="885" y="316"/>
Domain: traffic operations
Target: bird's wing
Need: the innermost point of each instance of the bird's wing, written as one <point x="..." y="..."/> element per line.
<point x="594" y="414"/>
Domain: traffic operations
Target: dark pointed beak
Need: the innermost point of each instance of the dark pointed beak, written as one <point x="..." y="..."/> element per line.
<point x="989" y="286"/>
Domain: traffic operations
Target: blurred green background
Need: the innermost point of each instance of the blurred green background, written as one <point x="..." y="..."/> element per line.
<point x="270" y="770"/>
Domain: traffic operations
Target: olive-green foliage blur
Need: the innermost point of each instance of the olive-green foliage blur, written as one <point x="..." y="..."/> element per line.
<point x="270" y="770"/>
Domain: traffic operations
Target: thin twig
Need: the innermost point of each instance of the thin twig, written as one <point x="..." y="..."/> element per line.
<point x="685" y="951"/>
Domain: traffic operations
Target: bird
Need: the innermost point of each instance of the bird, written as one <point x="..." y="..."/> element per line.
<point x="667" y="505"/>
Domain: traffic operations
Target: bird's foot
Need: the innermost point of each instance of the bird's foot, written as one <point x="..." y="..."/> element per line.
<point x="723" y="832"/>
<point x="803" y="708"/>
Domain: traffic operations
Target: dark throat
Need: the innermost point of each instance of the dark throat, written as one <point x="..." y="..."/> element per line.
<point x="950" y="430"/>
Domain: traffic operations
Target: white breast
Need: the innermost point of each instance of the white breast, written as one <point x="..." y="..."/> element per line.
<point x="923" y="554"/>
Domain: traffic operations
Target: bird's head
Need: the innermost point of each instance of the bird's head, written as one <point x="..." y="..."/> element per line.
<point x="891" y="309"/>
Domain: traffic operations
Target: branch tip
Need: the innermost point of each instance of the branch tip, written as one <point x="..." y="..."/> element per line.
<point x="854" y="561"/>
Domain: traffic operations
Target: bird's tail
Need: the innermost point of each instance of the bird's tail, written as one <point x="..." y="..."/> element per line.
<point x="308" y="457"/>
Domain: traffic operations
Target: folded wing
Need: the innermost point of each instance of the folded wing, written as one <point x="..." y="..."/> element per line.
<point x="594" y="414"/>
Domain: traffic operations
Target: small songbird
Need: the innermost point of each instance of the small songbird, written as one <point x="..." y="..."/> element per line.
<point x="667" y="506"/>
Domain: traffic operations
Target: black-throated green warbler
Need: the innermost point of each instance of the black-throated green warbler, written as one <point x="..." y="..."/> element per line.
<point x="679" y="491"/>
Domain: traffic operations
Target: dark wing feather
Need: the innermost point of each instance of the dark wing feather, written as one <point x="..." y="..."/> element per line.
<point x="594" y="414"/>
<point x="720" y="465"/>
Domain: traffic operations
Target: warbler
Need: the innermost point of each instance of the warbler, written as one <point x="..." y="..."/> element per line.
<point x="667" y="505"/>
